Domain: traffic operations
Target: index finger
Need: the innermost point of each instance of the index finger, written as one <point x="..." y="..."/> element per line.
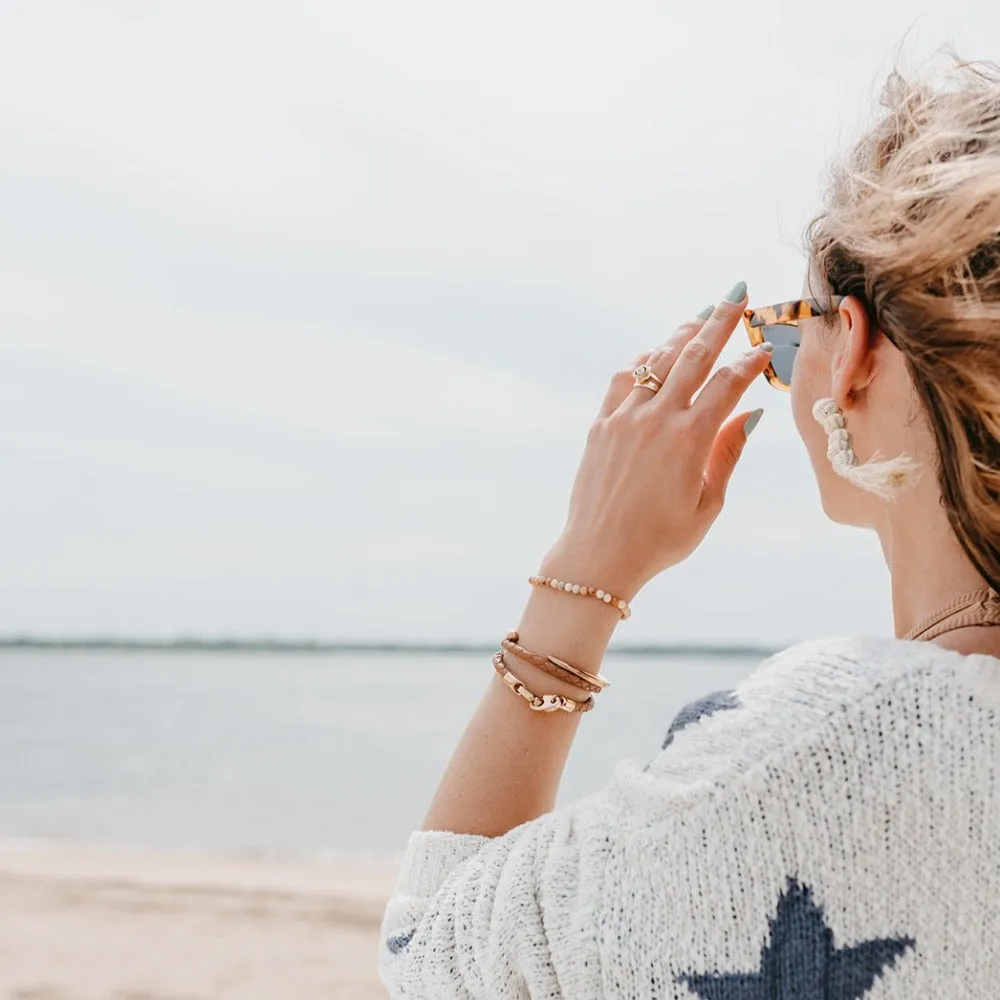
<point x="696" y="360"/>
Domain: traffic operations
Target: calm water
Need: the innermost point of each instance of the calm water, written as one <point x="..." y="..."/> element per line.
<point x="292" y="753"/>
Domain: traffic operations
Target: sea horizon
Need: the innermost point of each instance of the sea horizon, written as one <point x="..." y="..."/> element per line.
<point x="280" y="751"/>
<point x="238" y="644"/>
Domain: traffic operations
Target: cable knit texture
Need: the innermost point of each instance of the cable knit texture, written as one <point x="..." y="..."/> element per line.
<point x="828" y="830"/>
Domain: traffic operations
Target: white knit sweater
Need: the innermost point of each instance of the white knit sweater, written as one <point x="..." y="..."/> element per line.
<point x="828" y="830"/>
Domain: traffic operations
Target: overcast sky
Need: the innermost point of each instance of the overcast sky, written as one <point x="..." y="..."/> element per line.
<point x="305" y="307"/>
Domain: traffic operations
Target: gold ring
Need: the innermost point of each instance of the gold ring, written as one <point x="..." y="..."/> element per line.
<point x="645" y="376"/>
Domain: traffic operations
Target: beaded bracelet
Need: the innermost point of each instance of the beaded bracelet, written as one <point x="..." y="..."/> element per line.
<point x="618" y="603"/>
<point x="539" y="702"/>
<point x="594" y="683"/>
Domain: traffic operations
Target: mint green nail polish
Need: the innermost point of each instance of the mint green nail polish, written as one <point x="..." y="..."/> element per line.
<point x="706" y="312"/>
<point x="767" y="347"/>
<point x="737" y="292"/>
<point x="751" y="422"/>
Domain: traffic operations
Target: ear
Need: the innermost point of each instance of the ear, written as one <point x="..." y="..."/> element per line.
<point x="853" y="359"/>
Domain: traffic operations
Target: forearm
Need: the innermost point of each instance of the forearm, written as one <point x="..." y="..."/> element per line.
<point x="509" y="762"/>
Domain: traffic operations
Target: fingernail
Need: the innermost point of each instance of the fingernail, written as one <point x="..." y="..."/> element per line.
<point x="767" y="347"/>
<point x="751" y="422"/>
<point x="706" y="312"/>
<point x="737" y="292"/>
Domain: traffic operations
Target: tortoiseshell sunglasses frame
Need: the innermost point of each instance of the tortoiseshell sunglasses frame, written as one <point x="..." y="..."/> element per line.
<point x="783" y="314"/>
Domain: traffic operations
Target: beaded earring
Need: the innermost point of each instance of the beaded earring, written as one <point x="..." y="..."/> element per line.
<point x="884" y="479"/>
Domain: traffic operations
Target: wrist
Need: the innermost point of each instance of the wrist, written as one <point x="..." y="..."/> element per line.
<point x="567" y="626"/>
<point x="579" y="562"/>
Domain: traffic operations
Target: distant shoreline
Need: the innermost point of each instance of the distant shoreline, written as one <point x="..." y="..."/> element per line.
<point x="196" y="645"/>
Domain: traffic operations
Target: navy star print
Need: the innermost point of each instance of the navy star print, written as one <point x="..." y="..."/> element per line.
<point x="398" y="943"/>
<point x="717" y="701"/>
<point x="799" y="961"/>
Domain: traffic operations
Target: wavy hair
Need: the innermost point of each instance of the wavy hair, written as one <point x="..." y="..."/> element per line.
<point x="911" y="226"/>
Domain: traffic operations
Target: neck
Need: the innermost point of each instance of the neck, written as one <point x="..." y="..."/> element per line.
<point x="927" y="565"/>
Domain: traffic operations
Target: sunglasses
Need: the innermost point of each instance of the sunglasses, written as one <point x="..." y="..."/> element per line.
<point x="779" y="325"/>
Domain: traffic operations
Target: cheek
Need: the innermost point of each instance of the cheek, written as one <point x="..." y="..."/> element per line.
<point x="810" y="381"/>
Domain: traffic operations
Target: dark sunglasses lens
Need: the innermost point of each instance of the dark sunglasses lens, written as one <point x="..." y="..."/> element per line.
<point x="786" y="339"/>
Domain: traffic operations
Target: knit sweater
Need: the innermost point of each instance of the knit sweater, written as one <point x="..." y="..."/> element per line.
<point x="829" y="829"/>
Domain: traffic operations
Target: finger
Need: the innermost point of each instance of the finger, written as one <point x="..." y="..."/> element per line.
<point x="726" y="386"/>
<point x="621" y="385"/>
<point x="664" y="357"/>
<point x="725" y="453"/>
<point x="701" y="353"/>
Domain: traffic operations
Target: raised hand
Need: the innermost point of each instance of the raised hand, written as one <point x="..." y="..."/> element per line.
<point x="656" y="466"/>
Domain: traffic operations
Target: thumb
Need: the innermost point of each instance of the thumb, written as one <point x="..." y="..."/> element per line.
<point x="726" y="451"/>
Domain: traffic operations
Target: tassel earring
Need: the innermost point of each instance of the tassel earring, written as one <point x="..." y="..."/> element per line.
<point x="885" y="479"/>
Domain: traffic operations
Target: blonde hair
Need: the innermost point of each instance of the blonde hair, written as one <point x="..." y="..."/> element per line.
<point x="911" y="226"/>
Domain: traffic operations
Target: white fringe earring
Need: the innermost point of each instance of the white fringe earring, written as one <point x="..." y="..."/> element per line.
<point x="885" y="479"/>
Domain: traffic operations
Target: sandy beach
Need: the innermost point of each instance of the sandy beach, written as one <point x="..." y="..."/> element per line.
<point x="81" y="923"/>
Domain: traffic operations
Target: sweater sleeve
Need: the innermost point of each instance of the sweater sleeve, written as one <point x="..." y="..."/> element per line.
<point x="501" y="917"/>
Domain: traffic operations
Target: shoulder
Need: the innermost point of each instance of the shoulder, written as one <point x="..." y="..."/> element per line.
<point x="802" y="697"/>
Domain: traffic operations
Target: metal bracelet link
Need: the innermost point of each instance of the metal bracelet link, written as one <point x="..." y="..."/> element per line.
<point x="539" y="702"/>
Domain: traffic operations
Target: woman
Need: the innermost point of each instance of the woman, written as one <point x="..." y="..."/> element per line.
<point x="831" y="828"/>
